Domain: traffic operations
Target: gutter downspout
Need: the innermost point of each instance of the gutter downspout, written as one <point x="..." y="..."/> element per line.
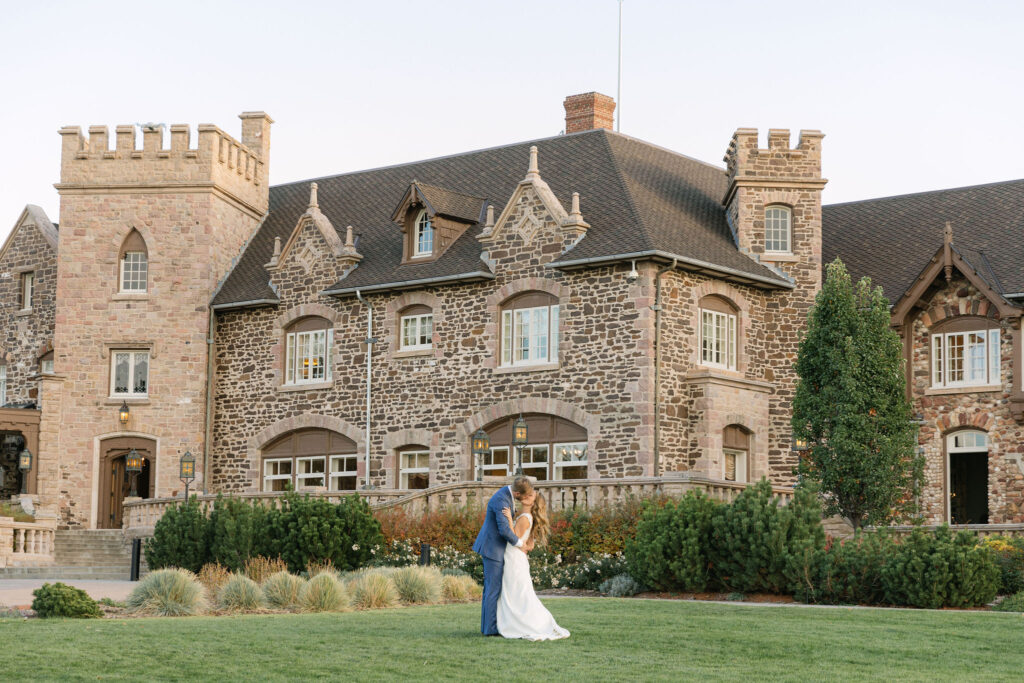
<point x="207" y="432"/>
<point x="370" y="341"/>
<point x="657" y="364"/>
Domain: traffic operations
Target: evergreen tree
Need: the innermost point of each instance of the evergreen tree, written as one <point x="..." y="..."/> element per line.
<point x="851" y="407"/>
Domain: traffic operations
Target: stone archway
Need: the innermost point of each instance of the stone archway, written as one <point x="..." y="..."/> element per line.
<point x="114" y="480"/>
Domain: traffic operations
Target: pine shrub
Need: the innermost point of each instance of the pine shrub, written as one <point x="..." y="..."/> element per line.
<point x="282" y="590"/>
<point x="240" y="594"/>
<point x="324" y="593"/>
<point x="373" y="590"/>
<point x="851" y="571"/>
<point x="168" y="593"/>
<point x="61" y="600"/>
<point x="669" y="550"/>
<point x="233" y="528"/>
<point x="179" y="538"/>
<point x="418" y="585"/>
<point x="1011" y="603"/>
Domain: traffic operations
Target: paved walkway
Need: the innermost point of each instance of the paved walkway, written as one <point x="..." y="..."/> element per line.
<point x="18" y="592"/>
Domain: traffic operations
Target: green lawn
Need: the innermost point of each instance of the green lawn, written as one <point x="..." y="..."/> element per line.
<point x="611" y="640"/>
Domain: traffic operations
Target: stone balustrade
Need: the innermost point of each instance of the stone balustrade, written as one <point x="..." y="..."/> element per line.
<point x="982" y="530"/>
<point x="140" y="516"/>
<point x="24" y="544"/>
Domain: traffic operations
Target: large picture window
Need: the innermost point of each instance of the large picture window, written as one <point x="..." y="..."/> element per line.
<point x="529" y="330"/>
<point x="308" y="346"/>
<point x="777" y="230"/>
<point x="309" y="458"/>
<point x="129" y="374"/>
<point x="964" y="359"/>
<point x="557" y="449"/>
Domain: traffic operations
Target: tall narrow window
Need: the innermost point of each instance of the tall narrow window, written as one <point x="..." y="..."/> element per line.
<point x="414" y="469"/>
<point x="308" y="345"/>
<point x="423" y="240"/>
<point x="129" y="374"/>
<point x="735" y="451"/>
<point x="46" y="364"/>
<point x="134" y="265"/>
<point x="3" y="384"/>
<point x="777" y="230"/>
<point x="964" y="359"/>
<point x="417" y="328"/>
<point x="28" y="281"/>
<point x="529" y="330"/>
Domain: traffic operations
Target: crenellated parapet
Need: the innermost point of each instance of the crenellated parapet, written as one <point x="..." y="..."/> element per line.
<point x="746" y="162"/>
<point x="208" y="158"/>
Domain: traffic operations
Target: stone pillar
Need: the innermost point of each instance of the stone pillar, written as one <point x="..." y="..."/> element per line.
<point x="48" y="455"/>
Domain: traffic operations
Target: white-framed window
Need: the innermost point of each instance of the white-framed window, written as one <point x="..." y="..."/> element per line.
<point x="343" y="472"/>
<point x="529" y="335"/>
<point x="3" y="384"/>
<point x="423" y="240"/>
<point x="965" y="359"/>
<point x="277" y="474"/>
<point x="718" y="339"/>
<point x="46" y="366"/>
<point x="734" y="465"/>
<point x="129" y="374"/>
<point x="777" y="230"/>
<point x="134" y="271"/>
<point x="967" y="442"/>
<point x="496" y="462"/>
<point x="535" y="462"/>
<point x="414" y="469"/>
<point x="307" y="356"/>
<point x="28" y="282"/>
<point x="309" y="471"/>
<point x="417" y="332"/>
<point x="570" y="461"/>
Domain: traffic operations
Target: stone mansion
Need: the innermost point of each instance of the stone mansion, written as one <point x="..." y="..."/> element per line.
<point x="638" y="309"/>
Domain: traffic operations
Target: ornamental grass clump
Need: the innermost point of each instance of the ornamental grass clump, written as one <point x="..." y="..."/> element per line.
<point x="168" y="593"/>
<point x="213" y="575"/>
<point x="282" y="590"/>
<point x="259" y="568"/>
<point x="240" y="594"/>
<point x="324" y="593"/>
<point x="319" y="567"/>
<point x="460" y="588"/>
<point x="373" y="590"/>
<point x="418" y="585"/>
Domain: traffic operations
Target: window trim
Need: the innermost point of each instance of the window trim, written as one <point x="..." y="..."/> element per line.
<point x="131" y="373"/>
<point x="278" y="477"/>
<point x="300" y="476"/>
<point x="940" y="359"/>
<point x="731" y="341"/>
<point x="121" y="288"/>
<point x="418" y="319"/>
<point x="332" y="474"/>
<point x="506" y="468"/>
<point x="292" y="359"/>
<point x="740" y="468"/>
<point x="404" y="472"/>
<point x="27" y="289"/>
<point x="422" y="222"/>
<point x="788" y="213"/>
<point x="557" y="466"/>
<point x="510" y="337"/>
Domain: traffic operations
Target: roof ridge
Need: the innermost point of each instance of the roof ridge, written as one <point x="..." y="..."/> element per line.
<point x="926" y="192"/>
<point x="631" y="202"/>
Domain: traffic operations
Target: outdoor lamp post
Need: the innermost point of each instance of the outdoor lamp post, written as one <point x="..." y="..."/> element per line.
<point x="122" y="413"/>
<point x="519" y="434"/>
<point x="25" y="465"/>
<point x="133" y="463"/>
<point x="187" y="470"/>
<point x="481" y="448"/>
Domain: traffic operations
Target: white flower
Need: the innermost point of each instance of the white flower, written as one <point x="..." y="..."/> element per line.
<point x="373" y="551"/>
<point x="355" y="546"/>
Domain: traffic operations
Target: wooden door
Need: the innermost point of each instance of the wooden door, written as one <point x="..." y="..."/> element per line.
<point x="115" y="480"/>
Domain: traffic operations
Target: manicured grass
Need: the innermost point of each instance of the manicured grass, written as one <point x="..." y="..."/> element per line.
<point x="611" y="640"/>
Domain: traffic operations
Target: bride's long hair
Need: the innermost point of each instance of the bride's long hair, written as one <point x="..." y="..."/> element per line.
<point x="541" y="524"/>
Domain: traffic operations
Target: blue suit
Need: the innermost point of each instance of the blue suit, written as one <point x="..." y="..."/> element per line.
<point x="494" y="536"/>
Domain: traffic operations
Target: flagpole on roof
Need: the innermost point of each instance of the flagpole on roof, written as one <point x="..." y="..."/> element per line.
<point x="618" y="90"/>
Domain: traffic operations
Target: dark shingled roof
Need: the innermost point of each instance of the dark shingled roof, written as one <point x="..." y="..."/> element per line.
<point x="891" y="239"/>
<point x="455" y="204"/>
<point x="636" y="197"/>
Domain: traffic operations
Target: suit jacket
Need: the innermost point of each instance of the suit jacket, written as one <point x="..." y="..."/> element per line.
<point x="496" y="532"/>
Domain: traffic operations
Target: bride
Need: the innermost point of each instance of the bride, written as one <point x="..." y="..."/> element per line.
<point x="520" y="612"/>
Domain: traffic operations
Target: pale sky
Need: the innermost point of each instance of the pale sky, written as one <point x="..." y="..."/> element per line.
<point x="911" y="95"/>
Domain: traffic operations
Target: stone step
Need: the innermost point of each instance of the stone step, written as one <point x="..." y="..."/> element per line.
<point x="63" y="573"/>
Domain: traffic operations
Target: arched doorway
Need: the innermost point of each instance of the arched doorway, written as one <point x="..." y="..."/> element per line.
<point x="967" y="468"/>
<point x="115" y="480"/>
<point x="556" y="448"/>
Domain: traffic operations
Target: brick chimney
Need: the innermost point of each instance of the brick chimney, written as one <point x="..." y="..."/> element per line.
<point x="588" y="111"/>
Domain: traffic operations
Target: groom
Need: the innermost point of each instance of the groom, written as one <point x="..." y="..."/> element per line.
<point x="490" y="545"/>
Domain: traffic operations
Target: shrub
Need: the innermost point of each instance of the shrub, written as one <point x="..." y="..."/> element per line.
<point x="851" y="572"/>
<point x="453" y="588"/>
<point x="418" y="585"/>
<point x="168" y="593"/>
<point x="241" y="594"/>
<point x="282" y="590"/>
<point x="621" y="586"/>
<point x="60" y="600"/>
<point x="940" y="569"/>
<point x="14" y="509"/>
<point x="1009" y="554"/>
<point x="1011" y="603"/>
<point x="233" y="527"/>
<point x="259" y="568"/>
<point x="324" y="593"/>
<point x="451" y="527"/>
<point x="747" y="537"/>
<point x="179" y="538"/>
<point x="373" y="590"/>
<point x="669" y="549"/>
<point x="213" y="576"/>
<point x="579" y="533"/>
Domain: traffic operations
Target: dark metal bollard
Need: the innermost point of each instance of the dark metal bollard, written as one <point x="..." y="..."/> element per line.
<point x="136" y="557"/>
<point x="425" y="554"/>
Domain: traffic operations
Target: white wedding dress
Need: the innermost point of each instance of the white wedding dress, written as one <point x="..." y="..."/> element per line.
<point x="520" y="612"/>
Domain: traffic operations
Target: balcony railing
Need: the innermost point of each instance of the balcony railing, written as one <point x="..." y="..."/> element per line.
<point x="24" y="544"/>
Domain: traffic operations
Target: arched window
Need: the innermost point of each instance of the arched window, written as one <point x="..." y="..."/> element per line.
<point x="556" y="448"/>
<point x="308" y="344"/>
<point x="310" y="458"/>
<point x="134" y="260"/>
<point x="735" y="454"/>
<point x="778" y="230"/>
<point x="967" y="451"/>
<point x="417" y="328"/>
<point x="718" y="333"/>
<point x="423" y="239"/>
<point x="414" y="467"/>
<point x="529" y="330"/>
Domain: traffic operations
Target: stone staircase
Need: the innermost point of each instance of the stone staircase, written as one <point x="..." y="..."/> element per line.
<point x="99" y="555"/>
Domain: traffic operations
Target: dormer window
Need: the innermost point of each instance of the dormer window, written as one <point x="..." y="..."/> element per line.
<point x="423" y="240"/>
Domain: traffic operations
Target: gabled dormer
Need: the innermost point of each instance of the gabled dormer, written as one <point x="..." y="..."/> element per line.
<point x="431" y="218"/>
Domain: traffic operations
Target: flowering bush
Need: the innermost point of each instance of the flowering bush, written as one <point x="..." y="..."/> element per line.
<point x="1009" y="554"/>
<point x="550" y="571"/>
